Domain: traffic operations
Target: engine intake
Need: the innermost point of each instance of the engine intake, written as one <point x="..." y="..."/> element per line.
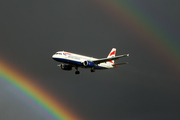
<point x="88" y="64"/>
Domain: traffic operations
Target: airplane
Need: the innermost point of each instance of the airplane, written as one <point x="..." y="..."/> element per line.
<point x="69" y="60"/>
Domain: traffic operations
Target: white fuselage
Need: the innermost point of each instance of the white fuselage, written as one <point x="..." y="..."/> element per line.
<point x="77" y="60"/>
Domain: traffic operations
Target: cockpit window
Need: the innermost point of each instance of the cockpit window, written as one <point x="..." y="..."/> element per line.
<point x="58" y="53"/>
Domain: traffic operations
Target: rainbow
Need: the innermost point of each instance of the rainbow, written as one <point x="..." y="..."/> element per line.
<point x="144" y="27"/>
<point x="34" y="94"/>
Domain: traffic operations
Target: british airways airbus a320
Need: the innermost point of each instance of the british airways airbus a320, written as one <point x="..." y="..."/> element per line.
<point x="69" y="60"/>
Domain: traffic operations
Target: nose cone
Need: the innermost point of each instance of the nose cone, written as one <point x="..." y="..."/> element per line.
<point x="53" y="57"/>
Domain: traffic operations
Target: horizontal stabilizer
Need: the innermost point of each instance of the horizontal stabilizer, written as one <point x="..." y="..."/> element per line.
<point x="120" y="63"/>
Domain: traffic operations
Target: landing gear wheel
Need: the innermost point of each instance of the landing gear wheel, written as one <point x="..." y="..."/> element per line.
<point x="92" y="70"/>
<point x="77" y="72"/>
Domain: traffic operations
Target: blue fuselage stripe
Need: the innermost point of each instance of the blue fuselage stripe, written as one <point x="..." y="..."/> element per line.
<point x="76" y="63"/>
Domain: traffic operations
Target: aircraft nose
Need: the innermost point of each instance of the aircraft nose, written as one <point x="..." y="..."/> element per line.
<point x="53" y="56"/>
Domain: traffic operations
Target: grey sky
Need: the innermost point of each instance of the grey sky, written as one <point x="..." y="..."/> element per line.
<point x="32" y="31"/>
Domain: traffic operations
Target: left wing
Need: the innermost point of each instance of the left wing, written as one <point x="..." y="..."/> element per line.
<point x="109" y="59"/>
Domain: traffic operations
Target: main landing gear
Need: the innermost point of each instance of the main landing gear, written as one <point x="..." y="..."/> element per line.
<point x="77" y="72"/>
<point x="92" y="70"/>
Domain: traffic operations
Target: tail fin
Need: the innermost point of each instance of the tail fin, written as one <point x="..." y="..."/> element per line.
<point x="112" y="54"/>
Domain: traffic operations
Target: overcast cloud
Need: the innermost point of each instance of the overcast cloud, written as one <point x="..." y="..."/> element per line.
<point x="145" y="89"/>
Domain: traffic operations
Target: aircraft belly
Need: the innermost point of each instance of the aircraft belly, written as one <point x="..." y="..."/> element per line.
<point x="99" y="67"/>
<point x="69" y="61"/>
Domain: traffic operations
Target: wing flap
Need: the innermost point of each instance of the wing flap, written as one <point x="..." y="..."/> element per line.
<point x="120" y="64"/>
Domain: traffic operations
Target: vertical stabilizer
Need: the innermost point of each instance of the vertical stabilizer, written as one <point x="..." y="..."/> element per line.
<point x="112" y="54"/>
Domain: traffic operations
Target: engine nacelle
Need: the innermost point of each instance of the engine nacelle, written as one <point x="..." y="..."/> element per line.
<point x="65" y="67"/>
<point x="88" y="64"/>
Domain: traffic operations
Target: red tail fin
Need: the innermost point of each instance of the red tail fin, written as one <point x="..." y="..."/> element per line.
<point x="112" y="54"/>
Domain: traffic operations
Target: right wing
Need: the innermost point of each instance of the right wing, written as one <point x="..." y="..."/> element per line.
<point x="109" y="59"/>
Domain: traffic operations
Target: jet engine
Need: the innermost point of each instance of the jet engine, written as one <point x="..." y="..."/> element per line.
<point x="88" y="64"/>
<point x="65" y="67"/>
